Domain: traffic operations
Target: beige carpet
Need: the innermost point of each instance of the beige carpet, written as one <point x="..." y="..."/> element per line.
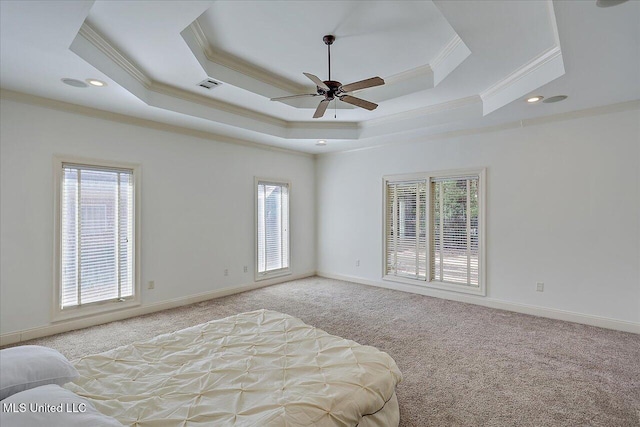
<point x="463" y="365"/>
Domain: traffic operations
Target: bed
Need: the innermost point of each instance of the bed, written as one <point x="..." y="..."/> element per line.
<point x="260" y="368"/>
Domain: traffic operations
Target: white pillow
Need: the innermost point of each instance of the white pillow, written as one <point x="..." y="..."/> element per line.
<point x="51" y="406"/>
<point x="29" y="366"/>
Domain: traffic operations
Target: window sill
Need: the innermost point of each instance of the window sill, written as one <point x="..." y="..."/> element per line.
<point x="473" y="290"/>
<point x="92" y="310"/>
<point x="272" y="274"/>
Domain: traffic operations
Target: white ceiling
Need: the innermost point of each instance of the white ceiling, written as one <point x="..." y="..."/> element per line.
<point x="448" y="65"/>
<point x="286" y="36"/>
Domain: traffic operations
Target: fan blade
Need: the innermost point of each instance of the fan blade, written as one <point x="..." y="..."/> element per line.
<point x="322" y="107"/>
<point x="295" y="96"/>
<point x="317" y="81"/>
<point x="358" y="102"/>
<point x="362" y="84"/>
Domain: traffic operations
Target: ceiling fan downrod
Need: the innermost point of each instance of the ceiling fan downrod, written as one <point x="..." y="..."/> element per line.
<point x="328" y="40"/>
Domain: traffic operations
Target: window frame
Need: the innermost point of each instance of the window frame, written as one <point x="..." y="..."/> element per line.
<point x="258" y="276"/>
<point x="99" y="307"/>
<point x="479" y="290"/>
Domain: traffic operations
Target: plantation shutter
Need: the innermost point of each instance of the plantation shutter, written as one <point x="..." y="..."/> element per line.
<point x="96" y="234"/>
<point x="273" y="226"/>
<point x="454" y="233"/>
<point x="406" y="249"/>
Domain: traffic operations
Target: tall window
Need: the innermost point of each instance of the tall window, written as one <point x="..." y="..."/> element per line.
<point x="272" y="222"/>
<point x="406" y="229"/>
<point x="96" y="240"/>
<point x="454" y="231"/>
<point x="433" y="230"/>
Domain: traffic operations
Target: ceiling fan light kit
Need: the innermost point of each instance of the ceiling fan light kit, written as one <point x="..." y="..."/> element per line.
<point x="332" y="89"/>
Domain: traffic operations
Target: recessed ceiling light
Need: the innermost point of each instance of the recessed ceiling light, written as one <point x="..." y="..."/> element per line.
<point x="556" y="98"/>
<point x="321" y="142"/>
<point x="74" y="82"/>
<point x="609" y="3"/>
<point x="535" y="99"/>
<point x="96" y="83"/>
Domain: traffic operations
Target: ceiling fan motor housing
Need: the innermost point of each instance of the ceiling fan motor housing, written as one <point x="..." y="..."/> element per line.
<point x="334" y="87"/>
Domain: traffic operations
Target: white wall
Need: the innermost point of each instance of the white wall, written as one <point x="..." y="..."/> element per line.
<point x="563" y="208"/>
<point x="197" y="206"/>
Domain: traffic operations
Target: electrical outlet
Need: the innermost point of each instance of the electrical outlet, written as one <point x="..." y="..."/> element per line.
<point x="226" y="271"/>
<point x="540" y="287"/>
<point x="357" y="263"/>
<point x="246" y="269"/>
<point x="151" y="284"/>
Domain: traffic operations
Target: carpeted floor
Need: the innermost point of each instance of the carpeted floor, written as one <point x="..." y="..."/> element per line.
<point x="463" y="365"/>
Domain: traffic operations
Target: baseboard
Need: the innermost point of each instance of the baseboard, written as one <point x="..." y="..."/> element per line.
<point x="551" y="313"/>
<point x="70" y="325"/>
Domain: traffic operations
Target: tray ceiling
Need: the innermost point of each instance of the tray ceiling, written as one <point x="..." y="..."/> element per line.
<point x="447" y="65"/>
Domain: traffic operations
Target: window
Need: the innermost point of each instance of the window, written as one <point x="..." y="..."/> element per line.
<point x="434" y="230"/>
<point x="454" y="231"/>
<point x="406" y="229"/>
<point x="95" y="238"/>
<point x="272" y="229"/>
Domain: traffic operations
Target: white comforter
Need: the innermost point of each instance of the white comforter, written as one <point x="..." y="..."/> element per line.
<point x="261" y="368"/>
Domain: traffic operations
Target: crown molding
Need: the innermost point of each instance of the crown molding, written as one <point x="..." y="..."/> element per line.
<point x="326" y="125"/>
<point x="243" y="67"/>
<point x="423" y="111"/>
<point x="201" y="38"/>
<point x="427" y="70"/>
<point x="175" y="92"/>
<point x="279" y="86"/>
<point x="554" y="23"/>
<point x="418" y="74"/>
<point x="552" y="58"/>
<point x="183" y="101"/>
<point x="423" y="71"/>
<point x="25" y="98"/>
<point x="559" y="117"/>
<point x="446" y="51"/>
<point x="329" y="130"/>
<point x="430" y="117"/>
<point x="68" y="107"/>
<point x="454" y="53"/>
<point x="97" y="40"/>
<point x="275" y="126"/>
<point x="511" y="79"/>
<point x="112" y="53"/>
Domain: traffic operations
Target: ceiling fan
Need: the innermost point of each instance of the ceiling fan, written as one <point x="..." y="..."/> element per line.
<point x="331" y="89"/>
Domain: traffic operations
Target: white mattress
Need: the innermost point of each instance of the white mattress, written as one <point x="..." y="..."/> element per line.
<point x="261" y="368"/>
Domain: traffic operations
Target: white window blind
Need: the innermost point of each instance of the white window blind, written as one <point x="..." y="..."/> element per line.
<point x="406" y="249"/>
<point x="433" y="230"/>
<point x="455" y="231"/>
<point x="97" y="243"/>
<point x="273" y="227"/>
